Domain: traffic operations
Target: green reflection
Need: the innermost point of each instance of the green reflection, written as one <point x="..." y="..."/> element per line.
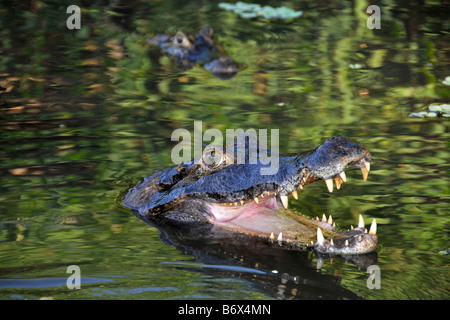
<point x="84" y="114"/>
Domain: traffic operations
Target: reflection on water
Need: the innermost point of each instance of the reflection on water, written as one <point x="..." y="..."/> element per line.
<point x="85" y="114"/>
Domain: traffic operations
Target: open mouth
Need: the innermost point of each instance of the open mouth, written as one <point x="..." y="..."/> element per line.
<point x="257" y="215"/>
<point x="238" y="197"/>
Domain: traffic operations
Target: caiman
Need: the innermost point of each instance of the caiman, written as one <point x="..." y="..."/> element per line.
<point x="188" y="50"/>
<point x="208" y="199"/>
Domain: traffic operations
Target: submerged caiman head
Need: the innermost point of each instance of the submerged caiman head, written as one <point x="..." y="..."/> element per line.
<point x="239" y="198"/>
<point x="188" y="50"/>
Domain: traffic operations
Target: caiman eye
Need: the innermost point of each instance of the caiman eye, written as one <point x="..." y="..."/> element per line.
<point x="212" y="157"/>
<point x="215" y="158"/>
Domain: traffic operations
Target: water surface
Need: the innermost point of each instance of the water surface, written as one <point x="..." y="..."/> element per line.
<point x="87" y="113"/>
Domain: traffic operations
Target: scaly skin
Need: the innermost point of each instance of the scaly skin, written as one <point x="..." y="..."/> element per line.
<point x="239" y="198"/>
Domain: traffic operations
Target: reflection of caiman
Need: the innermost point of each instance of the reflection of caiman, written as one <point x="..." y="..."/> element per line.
<point x="275" y="272"/>
<point x="208" y="198"/>
<point x="189" y="50"/>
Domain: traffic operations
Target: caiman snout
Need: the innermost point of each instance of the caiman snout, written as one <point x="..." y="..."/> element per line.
<point x="329" y="161"/>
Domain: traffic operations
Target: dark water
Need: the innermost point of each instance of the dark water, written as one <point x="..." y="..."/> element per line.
<point x="84" y="113"/>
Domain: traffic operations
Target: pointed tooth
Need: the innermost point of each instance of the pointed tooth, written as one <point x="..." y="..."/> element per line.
<point x="256" y="200"/>
<point x="329" y="183"/>
<point x="361" y="222"/>
<point x="272" y="237"/>
<point x="338" y="181"/>
<point x="280" y="237"/>
<point x="317" y="219"/>
<point x="330" y="220"/>
<point x="343" y="176"/>
<point x="301" y="187"/>
<point x="284" y="200"/>
<point x="365" y="173"/>
<point x="346" y="243"/>
<point x="351" y="227"/>
<point x="331" y="242"/>
<point x="324" y="217"/>
<point x="295" y="194"/>
<point x="367" y="165"/>
<point x="320" y="262"/>
<point x="373" y="227"/>
<point x="365" y="230"/>
<point x="320" y="238"/>
<point x="242" y="202"/>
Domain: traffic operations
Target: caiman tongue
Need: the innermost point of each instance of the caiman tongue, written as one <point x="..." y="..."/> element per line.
<point x="259" y="219"/>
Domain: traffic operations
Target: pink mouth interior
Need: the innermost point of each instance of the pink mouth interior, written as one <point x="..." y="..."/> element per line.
<point x="250" y="218"/>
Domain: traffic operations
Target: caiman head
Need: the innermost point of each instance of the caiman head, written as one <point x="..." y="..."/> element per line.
<point x="188" y="50"/>
<point x="218" y="190"/>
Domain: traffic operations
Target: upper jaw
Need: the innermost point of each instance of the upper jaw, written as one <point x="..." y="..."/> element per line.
<point x="309" y="176"/>
<point x="328" y="162"/>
